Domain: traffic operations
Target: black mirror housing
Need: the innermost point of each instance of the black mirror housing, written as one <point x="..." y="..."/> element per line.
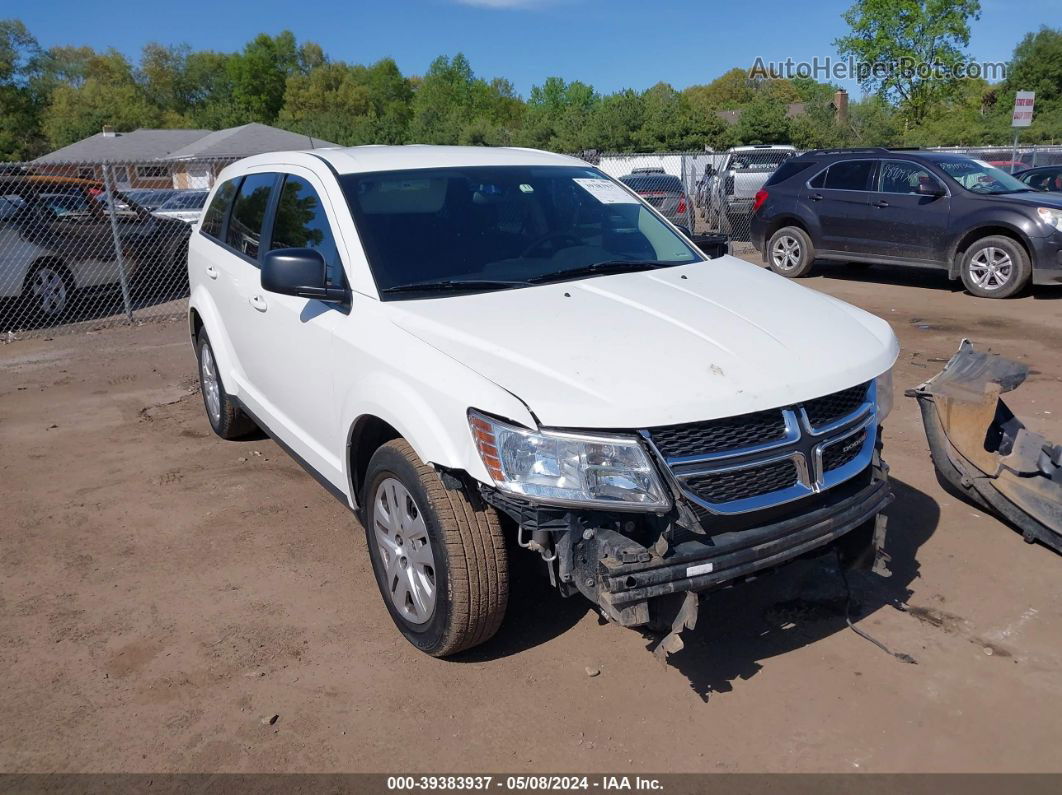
<point x="300" y="272"/>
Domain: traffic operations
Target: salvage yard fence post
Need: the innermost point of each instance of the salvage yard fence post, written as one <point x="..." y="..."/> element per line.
<point x="119" y="254"/>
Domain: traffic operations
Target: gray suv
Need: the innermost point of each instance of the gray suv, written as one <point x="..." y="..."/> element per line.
<point x="928" y="209"/>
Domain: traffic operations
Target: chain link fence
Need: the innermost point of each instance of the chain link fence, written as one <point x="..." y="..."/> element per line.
<point x="96" y="244"/>
<point x="89" y="245"/>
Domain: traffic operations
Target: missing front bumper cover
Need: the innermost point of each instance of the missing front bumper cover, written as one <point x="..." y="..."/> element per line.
<point x="986" y="453"/>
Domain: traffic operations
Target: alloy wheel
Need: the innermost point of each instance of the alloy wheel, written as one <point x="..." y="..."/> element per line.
<point x="785" y="253"/>
<point x="991" y="268"/>
<point x="211" y="387"/>
<point x="49" y="292"/>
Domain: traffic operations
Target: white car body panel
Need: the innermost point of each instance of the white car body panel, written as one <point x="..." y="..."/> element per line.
<point x="701" y="341"/>
<point x="625" y="351"/>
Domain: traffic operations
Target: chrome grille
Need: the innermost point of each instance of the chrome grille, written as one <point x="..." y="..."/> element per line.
<point x="766" y="458"/>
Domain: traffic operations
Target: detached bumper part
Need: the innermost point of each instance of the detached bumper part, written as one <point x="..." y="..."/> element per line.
<point x="986" y="453"/>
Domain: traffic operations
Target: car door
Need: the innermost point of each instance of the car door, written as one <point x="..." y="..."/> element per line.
<point x="909" y="213"/>
<point x="232" y="266"/>
<point x="290" y="361"/>
<point x="838" y="197"/>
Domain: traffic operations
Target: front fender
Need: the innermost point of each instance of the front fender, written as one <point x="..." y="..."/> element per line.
<point x="423" y="394"/>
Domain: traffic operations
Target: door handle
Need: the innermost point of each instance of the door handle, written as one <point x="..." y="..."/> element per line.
<point x="881" y="203"/>
<point x="259" y="303"/>
<point x="816" y="197"/>
<point x="211" y="271"/>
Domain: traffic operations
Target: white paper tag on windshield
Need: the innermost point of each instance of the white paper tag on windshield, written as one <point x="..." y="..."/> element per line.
<point x="606" y="191"/>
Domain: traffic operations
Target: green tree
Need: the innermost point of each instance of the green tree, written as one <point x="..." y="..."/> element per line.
<point x="672" y="124"/>
<point x="19" y="104"/>
<point x="101" y="90"/>
<point x="559" y="115"/>
<point x="259" y="76"/>
<point x="1035" y="66"/>
<point x="910" y="34"/>
<point x="764" y="121"/>
<point x="347" y="104"/>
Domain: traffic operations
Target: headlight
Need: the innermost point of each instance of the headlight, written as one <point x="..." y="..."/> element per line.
<point x="883" y="389"/>
<point x="558" y="468"/>
<point x="1050" y="216"/>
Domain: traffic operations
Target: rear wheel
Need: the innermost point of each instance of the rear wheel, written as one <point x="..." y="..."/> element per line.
<point x="440" y="561"/>
<point x="995" y="267"/>
<point x="225" y="417"/>
<point x="790" y="252"/>
<point x="48" y="292"/>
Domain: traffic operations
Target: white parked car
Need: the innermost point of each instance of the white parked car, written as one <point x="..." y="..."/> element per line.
<point x="473" y="346"/>
<point x="184" y="205"/>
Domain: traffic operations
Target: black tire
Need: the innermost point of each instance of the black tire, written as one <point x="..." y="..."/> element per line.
<point x="226" y="419"/>
<point x="48" y="293"/>
<point x="469" y="560"/>
<point x="991" y="252"/>
<point x="801" y="254"/>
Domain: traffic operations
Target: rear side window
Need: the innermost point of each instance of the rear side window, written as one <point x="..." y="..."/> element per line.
<point x="300" y="222"/>
<point x="849" y="175"/>
<point x="248" y="212"/>
<point x="215" y="214"/>
<point x="787" y="170"/>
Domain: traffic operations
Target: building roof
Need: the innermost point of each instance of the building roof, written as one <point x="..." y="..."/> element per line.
<point x="145" y="145"/>
<point x="243" y="141"/>
<point x="142" y="144"/>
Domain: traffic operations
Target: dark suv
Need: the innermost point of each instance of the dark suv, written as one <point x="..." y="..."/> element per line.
<point x="928" y="209"/>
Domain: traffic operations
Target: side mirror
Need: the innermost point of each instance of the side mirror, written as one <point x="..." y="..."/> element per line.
<point x="926" y="188"/>
<point x="299" y="272"/>
<point x="684" y="230"/>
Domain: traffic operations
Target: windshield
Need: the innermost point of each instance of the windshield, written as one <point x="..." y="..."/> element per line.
<point x="503" y="227"/>
<point x="190" y="200"/>
<point x="979" y="177"/>
<point x="653" y="184"/>
<point x="759" y="161"/>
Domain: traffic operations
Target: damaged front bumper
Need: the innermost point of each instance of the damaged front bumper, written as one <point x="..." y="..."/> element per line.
<point x="986" y="453"/>
<point x="626" y="564"/>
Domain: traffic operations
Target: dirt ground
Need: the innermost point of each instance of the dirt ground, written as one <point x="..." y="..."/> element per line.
<point x="164" y="594"/>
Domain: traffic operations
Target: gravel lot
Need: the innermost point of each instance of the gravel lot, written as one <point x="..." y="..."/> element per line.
<point x="164" y="594"/>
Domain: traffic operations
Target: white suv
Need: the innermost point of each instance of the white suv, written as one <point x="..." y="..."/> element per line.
<point x="472" y="346"/>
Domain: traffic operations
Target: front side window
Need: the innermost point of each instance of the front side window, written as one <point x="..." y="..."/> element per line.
<point x="1044" y="180"/>
<point x="849" y="175"/>
<point x="219" y="207"/>
<point x="301" y="222"/>
<point x="979" y="177"/>
<point x="492" y="227"/>
<point x="248" y="212"/>
<point x="902" y="176"/>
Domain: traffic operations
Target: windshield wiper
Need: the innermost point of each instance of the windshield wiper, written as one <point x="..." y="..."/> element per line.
<point x="599" y="268"/>
<point x="454" y="285"/>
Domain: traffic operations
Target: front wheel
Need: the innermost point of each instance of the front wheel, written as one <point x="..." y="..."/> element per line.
<point x="790" y="252"/>
<point x="440" y="561"/>
<point x="995" y="267"/>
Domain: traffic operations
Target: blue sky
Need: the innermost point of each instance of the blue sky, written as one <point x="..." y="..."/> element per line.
<point x="610" y="44"/>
